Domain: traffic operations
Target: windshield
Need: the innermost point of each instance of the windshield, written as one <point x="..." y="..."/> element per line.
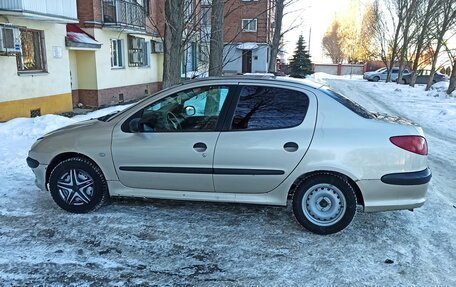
<point x="351" y="105"/>
<point x="381" y="70"/>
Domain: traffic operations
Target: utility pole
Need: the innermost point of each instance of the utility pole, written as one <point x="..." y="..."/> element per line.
<point x="310" y="35"/>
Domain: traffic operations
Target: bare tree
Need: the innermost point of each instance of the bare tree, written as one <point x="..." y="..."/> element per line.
<point x="452" y="56"/>
<point x="431" y="8"/>
<point x="279" y="7"/>
<point x="332" y="43"/>
<point x="410" y="16"/>
<point x="398" y="8"/>
<point x="216" y="42"/>
<point x="445" y="21"/>
<point x="452" y="85"/>
<point x="382" y="31"/>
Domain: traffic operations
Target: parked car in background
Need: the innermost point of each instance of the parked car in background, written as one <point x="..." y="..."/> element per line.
<point x="423" y="77"/>
<point x="381" y="74"/>
<point x="245" y="140"/>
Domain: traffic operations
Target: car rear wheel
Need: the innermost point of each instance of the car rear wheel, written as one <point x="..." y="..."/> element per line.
<point x="77" y="185"/>
<point x="324" y="203"/>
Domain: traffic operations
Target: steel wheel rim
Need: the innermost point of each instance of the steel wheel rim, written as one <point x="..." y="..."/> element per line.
<point x="324" y="204"/>
<point x="76" y="187"/>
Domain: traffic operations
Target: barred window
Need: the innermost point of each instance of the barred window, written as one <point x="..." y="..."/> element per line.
<point x="32" y="57"/>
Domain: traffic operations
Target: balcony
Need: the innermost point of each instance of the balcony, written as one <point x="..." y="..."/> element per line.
<point x="124" y="15"/>
<point x="47" y="10"/>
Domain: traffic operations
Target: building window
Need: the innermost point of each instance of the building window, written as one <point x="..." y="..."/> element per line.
<point x="189" y="59"/>
<point x="249" y="25"/>
<point x="117" y="53"/>
<point x="188" y="11"/>
<point x="32" y="57"/>
<point x="138" y="52"/>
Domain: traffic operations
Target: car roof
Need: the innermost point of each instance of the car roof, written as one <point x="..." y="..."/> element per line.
<point x="260" y="79"/>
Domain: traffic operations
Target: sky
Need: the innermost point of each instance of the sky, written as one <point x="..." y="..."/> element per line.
<point x="312" y="18"/>
<point x="314" y="15"/>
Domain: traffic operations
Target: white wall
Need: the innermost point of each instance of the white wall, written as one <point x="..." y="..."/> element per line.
<point x="56" y="81"/>
<point x="108" y="77"/>
<point x="233" y="58"/>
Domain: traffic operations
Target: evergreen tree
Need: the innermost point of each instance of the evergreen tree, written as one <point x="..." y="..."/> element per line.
<point x="300" y="65"/>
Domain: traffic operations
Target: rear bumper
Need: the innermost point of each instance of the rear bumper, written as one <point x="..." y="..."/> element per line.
<point x="408" y="178"/>
<point x="380" y="196"/>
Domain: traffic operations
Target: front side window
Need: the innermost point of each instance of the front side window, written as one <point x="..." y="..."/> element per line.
<point x="32" y="57"/>
<point x="262" y="108"/>
<point x="249" y="25"/>
<point x="196" y="109"/>
<point x="117" y="53"/>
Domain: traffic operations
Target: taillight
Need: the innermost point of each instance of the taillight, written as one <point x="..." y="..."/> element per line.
<point x="415" y="144"/>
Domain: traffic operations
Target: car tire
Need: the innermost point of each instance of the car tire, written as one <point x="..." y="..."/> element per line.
<point x="324" y="203"/>
<point x="376" y="79"/>
<point x="78" y="185"/>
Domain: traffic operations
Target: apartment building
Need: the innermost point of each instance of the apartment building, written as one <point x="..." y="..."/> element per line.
<point x="126" y="64"/>
<point x="34" y="62"/>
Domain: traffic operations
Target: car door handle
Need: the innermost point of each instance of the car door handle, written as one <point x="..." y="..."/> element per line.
<point x="200" y="147"/>
<point x="290" y="147"/>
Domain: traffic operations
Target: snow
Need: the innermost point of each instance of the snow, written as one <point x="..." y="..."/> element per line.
<point x="167" y="243"/>
<point x="81" y="38"/>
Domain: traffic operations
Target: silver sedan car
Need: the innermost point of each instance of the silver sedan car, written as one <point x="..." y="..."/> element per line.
<point x="247" y="140"/>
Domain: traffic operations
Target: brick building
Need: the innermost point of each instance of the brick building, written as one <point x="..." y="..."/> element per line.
<point x="248" y="35"/>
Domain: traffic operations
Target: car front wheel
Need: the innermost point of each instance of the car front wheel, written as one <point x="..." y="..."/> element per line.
<point x="77" y="185"/>
<point x="324" y="203"/>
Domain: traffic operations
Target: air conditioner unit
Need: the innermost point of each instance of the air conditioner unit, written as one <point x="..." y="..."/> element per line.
<point x="10" y="40"/>
<point x="157" y="47"/>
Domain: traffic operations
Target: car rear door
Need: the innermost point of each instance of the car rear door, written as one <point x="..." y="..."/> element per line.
<point x="174" y="148"/>
<point x="264" y="139"/>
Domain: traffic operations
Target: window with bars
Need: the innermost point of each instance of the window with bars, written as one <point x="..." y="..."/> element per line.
<point x="138" y="52"/>
<point x="249" y="25"/>
<point x="33" y="57"/>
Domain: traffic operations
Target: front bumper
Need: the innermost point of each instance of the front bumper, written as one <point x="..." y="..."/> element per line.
<point x="40" y="172"/>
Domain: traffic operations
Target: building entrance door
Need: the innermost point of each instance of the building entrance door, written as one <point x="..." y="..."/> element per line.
<point x="246" y="61"/>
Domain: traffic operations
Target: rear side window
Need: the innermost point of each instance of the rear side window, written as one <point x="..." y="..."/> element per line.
<point x="263" y="108"/>
<point x="349" y="104"/>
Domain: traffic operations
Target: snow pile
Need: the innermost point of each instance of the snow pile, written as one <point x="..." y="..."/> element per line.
<point x="440" y="89"/>
<point x="33" y="128"/>
<point x="322" y="78"/>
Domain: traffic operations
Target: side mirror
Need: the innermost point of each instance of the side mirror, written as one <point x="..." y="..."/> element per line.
<point x="190" y="110"/>
<point x="135" y="126"/>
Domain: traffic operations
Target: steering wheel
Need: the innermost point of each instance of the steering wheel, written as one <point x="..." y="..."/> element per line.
<point x="173" y="121"/>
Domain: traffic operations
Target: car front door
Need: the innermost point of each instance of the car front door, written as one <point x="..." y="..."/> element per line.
<point x="173" y="142"/>
<point x="267" y="135"/>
